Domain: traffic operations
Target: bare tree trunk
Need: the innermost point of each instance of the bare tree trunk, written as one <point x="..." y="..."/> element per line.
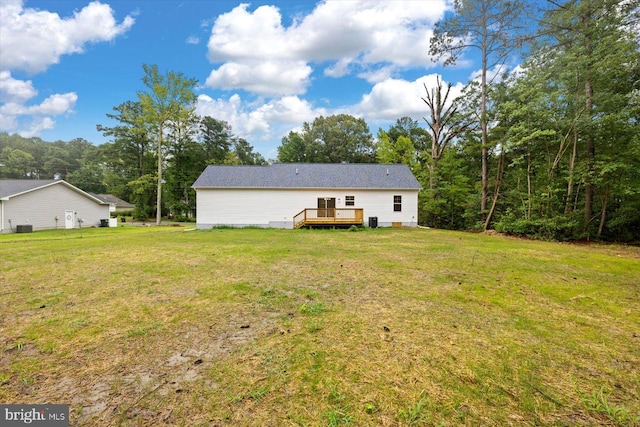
<point x="572" y="163"/>
<point x="529" y="202"/>
<point x="589" y="187"/>
<point x="159" y="196"/>
<point x="603" y="211"/>
<point x="443" y="124"/>
<point x="588" y="89"/>
<point x="484" y="149"/>
<point x="432" y="174"/>
<point x="496" y="192"/>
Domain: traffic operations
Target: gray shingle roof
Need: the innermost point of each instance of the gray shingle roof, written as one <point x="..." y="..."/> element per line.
<point x="11" y="187"/>
<point x="309" y="175"/>
<point x="113" y="200"/>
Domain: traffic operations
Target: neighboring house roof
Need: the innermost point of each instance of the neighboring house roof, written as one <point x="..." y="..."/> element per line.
<point x="309" y="175"/>
<point x="14" y="187"/>
<point x="113" y="200"/>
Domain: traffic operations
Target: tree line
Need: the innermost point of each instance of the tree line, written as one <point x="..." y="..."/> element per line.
<point x="550" y="151"/>
<point x="127" y="166"/>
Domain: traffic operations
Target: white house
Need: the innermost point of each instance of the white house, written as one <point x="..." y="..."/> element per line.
<point x="289" y="195"/>
<point x="28" y="204"/>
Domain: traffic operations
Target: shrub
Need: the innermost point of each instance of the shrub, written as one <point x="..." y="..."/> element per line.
<point x="554" y="228"/>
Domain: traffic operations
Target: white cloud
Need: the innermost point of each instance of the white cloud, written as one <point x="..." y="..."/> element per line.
<point x="232" y="111"/>
<point x="36" y="126"/>
<point x="16" y="91"/>
<point x="351" y="36"/>
<point x="376" y="75"/>
<point x="265" y="78"/>
<point x="28" y="120"/>
<point x="27" y="127"/>
<point x="259" y="122"/>
<point x="394" y="98"/>
<point x="55" y="105"/>
<point x="373" y="31"/>
<point x="193" y="40"/>
<point x="339" y="69"/>
<point x="241" y="34"/>
<point x="32" y="40"/>
<point x="289" y="110"/>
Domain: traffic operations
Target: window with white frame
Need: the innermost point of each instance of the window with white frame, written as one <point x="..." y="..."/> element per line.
<point x="349" y="200"/>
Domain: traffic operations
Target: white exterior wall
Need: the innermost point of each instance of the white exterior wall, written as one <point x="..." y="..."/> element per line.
<point x="40" y="207"/>
<point x="276" y="207"/>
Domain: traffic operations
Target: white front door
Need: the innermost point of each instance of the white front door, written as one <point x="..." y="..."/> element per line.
<point x="69" y="219"/>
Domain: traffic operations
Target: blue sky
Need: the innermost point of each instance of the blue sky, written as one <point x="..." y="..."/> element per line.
<point x="264" y="67"/>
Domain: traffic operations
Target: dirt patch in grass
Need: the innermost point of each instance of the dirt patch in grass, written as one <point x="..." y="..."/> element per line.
<point x="118" y="383"/>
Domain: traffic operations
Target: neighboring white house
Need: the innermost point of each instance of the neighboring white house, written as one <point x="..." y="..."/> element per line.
<point x="47" y="204"/>
<point x="272" y="196"/>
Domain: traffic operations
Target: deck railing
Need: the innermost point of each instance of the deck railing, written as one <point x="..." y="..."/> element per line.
<point x="329" y="216"/>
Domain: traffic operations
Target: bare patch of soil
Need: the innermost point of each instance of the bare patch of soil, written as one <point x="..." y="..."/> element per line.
<point x="118" y="389"/>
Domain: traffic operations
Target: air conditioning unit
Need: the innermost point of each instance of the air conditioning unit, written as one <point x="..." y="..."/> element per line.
<point x="26" y="228"/>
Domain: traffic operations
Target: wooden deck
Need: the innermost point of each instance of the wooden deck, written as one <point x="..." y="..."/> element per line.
<point x="328" y="217"/>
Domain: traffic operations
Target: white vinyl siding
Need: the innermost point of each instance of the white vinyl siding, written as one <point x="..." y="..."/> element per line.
<point x="277" y="207"/>
<point x="40" y="207"/>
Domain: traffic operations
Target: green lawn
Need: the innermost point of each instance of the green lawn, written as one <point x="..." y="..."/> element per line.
<point x="385" y="327"/>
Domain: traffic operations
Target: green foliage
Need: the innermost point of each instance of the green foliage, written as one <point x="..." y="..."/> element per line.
<point x="401" y="150"/>
<point x="181" y="218"/>
<point x="333" y="139"/>
<point x="16" y="163"/>
<point x="339" y="414"/>
<point x="143" y="193"/>
<point x="168" y="105"/>
<point x="90" y="177"/>
<point x="216" y="137"/>
<point x="259" y="393"/>
<point x="445" y="205"/>
<point x="292" y="149"/>
<point x="560" y="159"/>
<point x="33" y="158"/>
<point x="243" y="152"/>
<point x="414" y="414"/>
<point x="557" y="228"/>
<point x="599" y="402"/>
<point x="313" y="308"/>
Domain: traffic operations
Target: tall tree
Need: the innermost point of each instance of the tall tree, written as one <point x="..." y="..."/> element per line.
<point x="216" y="138"/>
<point x="444" y="123"/>
<point x="401" y="150"/>
<point x="591" y="45"/>
<point x="243" y="152"/>
<point x="17" y="163"/>
<point x="131" y="139"/>
<point x="292" y="149"/>
<point x="185" y="161"/>
<point x="406" y="126"/>
<point x="169" y="97"/>
<point x="333" y="139"/>
<point x="129" y="156"/>
<point x="492" y="27"/>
